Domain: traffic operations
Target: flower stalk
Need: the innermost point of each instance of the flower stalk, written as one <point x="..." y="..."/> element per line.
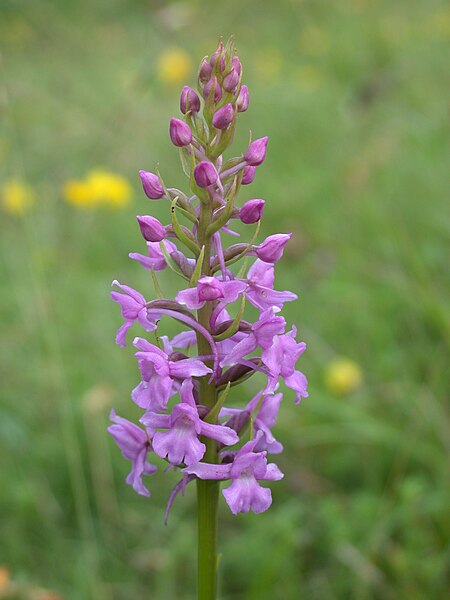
<point x="207" y="491"/>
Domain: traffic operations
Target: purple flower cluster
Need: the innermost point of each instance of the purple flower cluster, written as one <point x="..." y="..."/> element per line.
<point x="186" y="384"/>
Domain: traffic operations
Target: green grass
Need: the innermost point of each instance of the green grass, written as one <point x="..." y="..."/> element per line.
<point x="356" y="169"/>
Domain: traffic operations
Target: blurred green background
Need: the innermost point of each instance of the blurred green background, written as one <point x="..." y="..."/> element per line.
<point x="351" y="95"/>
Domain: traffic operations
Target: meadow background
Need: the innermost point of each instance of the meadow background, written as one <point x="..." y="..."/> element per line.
<point x="351" y="95"/>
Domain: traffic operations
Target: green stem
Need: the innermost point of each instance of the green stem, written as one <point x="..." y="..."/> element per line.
<point x="207" y="504"/>
<point x="207" y="491"/>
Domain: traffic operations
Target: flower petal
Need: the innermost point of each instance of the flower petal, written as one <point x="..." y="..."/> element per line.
<point x="208" y="471"/>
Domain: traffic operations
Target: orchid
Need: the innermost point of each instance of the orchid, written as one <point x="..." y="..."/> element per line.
<point x="247" y="468"/>
<point x="160" y="374"/>
<point x="134" y="308"/>
<point x="191" y="417"/>
<point x="134" y="443"/>
<point x="180" y="442"/>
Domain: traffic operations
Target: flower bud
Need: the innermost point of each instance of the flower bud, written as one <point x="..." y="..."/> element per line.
<point x="251" y="211"/>
<point x="249" y="175"/>
<point x="236" y="64"/>
<point x="256" y="152"/>
<point x="271" y="250"/>
<point x="180" y="133"/>
<point x="205" y="174"/>
<point x="209" y="288"/>
<point x="189" y="100"/>
<point x="187" y="266"/>
<point x="212" y="84"/>
<point x="217" y="58"/>
<point x="235" y="373"/>
<point x="230" y="253"/>
<point x="205" y="71"/>
<point x="152" y="230"/>
<point x="223" y="117"/>
<point x="242" y="100"/>
<point x="230" y="81"/>
<point x="151" y="184"/>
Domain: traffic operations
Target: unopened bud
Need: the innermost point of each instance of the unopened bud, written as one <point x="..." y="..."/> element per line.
<point x="180" y="133"/>
<point x="272" y="248"/>
<point x="256" y="152"/>
<point x="239" y="420"/>
<point x="152" y="185"/>
<point x="187" y="265"/>
<point x="236" y="373"/>
<point x="152" y="230"/>
<point x="231" y="80"/>
<point x="242" y="100"/>
<point x="230" y="253"/>
<point x="189" y="100"/>
<point x="249" y="175"/>
<point x="209" y="289"/>
<point x="251" y="211"/>
<point x="205" y="71"/>
<point x="212" y="84"/>
<point x="217" y="58"/>
<point x="236" y="64"/>
<point x="176" y="356"/>
<point x="205" y="174"/>
<point x="223" y="117"/>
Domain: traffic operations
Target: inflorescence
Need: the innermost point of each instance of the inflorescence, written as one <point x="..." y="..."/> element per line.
<point x="186" y="419"/>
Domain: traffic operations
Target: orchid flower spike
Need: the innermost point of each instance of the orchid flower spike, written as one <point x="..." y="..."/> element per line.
<point x="228" y="315"/>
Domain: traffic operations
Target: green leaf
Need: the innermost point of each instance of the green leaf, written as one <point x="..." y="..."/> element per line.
<point x="185" y="163"/>
<point x="213" y="414"/>
<point x="156" y="284"/>
<point x="243" y="253"/>
<point x="225" y="214"/>
<point x="171" y="263"/>
<point x="232" y="329"/>
<point x="198" y="268"/>
<point x="193" y="246"/>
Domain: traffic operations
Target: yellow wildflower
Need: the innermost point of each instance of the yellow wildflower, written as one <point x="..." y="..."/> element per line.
<point x="17" y="197"/>
<point x="343" y="376"/>
<point x="99" y="188"/>
<point x="174" y="66"/>
<point x="109" y="188"/>
<point x="77" y="193"/>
